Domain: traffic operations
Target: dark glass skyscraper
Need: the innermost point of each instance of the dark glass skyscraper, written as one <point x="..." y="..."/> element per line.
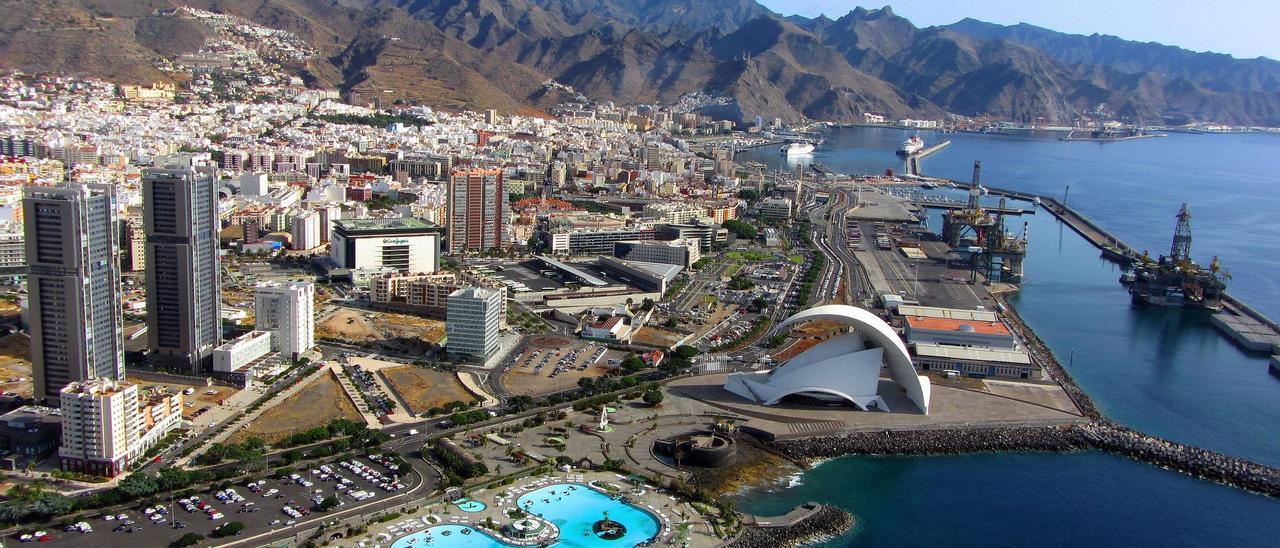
<point x="73" y="281"/>
<point x="184" y="296"/>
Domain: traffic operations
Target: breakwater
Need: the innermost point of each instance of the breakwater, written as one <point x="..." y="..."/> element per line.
<point x="1099" y="435"/>
<point x="820" y="522"/>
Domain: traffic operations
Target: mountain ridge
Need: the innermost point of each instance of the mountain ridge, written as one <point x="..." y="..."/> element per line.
<point x="498" y="54"/>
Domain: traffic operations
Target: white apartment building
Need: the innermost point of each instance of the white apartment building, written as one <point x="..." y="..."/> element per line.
<point x="100" y="422"/>
<point x="287" y="310"/>
<point x="306" y="229"/>
<point x="472" y="323"/>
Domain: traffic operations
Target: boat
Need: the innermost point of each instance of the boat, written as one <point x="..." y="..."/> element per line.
<point x="795" y="149"/>
<point x="911" y="146"/>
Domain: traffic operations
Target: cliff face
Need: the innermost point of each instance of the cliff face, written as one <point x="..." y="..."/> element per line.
<point x="497" y="53"/>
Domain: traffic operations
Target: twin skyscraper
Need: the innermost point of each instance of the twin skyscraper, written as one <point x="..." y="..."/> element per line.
<point x="72" y="246"/>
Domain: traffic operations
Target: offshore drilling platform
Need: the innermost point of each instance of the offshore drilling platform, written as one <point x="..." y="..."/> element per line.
<point x="980" y="236"/>
<point x="1174" y="279"/>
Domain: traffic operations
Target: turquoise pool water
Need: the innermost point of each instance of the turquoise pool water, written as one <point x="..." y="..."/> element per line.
<point x="468" y="505"/>
<point x="574" y="508"/>
<point x="449" y="536"/>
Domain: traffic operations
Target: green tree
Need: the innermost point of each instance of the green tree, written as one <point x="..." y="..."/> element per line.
<point x="749" y="194"/>
<point x="653" y="397"/>
<point x="189" y="539"/>
<point x="330" y="502"/>
<point x="229" y="529"/>
<point x="633" y="363"/>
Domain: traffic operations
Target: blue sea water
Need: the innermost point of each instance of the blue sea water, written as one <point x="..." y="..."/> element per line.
<point x="1167" y="372"/>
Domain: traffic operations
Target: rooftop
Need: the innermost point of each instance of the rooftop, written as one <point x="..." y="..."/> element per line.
<point x="933" y="350"/>
<point x="947" y="313"/>
<point x="411" y="223"/>
<point x="947" y="324"/>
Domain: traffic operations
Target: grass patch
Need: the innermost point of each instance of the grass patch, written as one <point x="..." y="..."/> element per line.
<point x="796" y="259"/>
<point x="748" y="255"/>
<point x="733" y="269"/>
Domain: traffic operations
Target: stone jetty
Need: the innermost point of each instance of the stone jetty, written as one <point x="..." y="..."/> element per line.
<point x="1099" y="435"/>
<point x="820" y="522"/>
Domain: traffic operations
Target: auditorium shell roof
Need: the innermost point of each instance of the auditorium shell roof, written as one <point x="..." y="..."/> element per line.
<point x="846" y="366"/>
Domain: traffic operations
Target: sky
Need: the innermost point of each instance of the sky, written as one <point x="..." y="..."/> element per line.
<point x="1243" y="28"/>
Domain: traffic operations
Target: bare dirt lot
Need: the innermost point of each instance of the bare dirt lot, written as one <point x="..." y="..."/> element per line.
<point x="15" y="363"/>
<point x="422" y="388"/>
<point x="315" y="405"/>
<point x="657" y="336"/>
<point x="405" y="332"/>
<point x="525" y="378"/>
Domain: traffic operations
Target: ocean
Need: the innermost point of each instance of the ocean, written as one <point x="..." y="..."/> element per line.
<point x="1164" y="371"/>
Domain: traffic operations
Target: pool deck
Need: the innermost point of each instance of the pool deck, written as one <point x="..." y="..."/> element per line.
<point x="667" y="508"/>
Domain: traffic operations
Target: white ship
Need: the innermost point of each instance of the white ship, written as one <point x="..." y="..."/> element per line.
<point x="911" y="146"/>
<point x="794" y="149"/>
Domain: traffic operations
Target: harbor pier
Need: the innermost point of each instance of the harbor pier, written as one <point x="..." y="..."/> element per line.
<point x="913" y="161"/>
<point x="1248" y="327"/>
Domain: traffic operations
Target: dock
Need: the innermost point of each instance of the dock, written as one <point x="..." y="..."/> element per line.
<point x="1248" y="327"/>
<point x="942" y="203"/>
<point x="913" y="161"/>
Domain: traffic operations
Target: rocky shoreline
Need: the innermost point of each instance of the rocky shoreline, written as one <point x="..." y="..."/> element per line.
<point x="826" y="522"/>
<point x="1099" y="435"/>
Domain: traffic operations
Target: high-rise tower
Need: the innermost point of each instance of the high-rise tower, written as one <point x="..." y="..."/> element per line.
<point x="184" y="296"/>
<point x="73" y="280"/>
<point x="478" y="210"/>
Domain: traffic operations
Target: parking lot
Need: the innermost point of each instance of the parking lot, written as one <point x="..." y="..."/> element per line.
<point x="542" y="370"/>
<point x="265" y="505"/>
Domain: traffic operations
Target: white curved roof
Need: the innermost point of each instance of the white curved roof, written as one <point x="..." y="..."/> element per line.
<point x="854" y="376"/>
<point x="882" y="334"/>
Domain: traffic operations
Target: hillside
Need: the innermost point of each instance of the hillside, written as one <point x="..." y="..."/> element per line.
<point x="498" y="53"/>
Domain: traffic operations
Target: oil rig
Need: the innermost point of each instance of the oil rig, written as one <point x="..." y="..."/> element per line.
<point x="1174" y="279"/>
<point x="980" y="236"/>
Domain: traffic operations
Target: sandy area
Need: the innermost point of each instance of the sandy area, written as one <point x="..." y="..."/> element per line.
<point x="315" y="405"/>
<point x="407" y="332"/>
<point x="423" y="388"/>
<point x="15" y="363"/>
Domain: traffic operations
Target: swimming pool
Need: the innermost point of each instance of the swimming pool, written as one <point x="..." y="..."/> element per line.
<point x="576" y="508"/>
<point x="450" y="536"/>
<point x="468" y="505"/>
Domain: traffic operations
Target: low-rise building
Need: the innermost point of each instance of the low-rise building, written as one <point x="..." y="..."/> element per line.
<point x="958" y="332"/>
<point x="235" y="358"/>
<point x="683" y="252"/>
<point x="975" y="361"/>
<point x="31" y="431"/>
<point x="408" y="245"/>
<point x="775" y="208"/>
<point x="426" y="294"/>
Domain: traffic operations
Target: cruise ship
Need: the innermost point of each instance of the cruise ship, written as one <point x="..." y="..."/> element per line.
<point x="911" y="146"/>
<point x="794" y="149"/>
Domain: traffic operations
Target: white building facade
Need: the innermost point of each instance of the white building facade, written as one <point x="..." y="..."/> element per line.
<point x="287" y="311"/>
<point x="472" y="322"/>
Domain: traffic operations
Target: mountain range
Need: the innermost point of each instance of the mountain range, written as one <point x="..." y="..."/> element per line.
<point x="502" y="53"/>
